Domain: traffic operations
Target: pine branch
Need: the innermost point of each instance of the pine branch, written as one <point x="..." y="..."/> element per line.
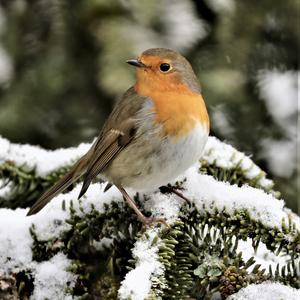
<point x="104" y="246"/>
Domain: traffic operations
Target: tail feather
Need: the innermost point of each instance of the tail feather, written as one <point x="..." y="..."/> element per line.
<point x="84" y="187"/>
<point x="73" y="175"/>
<point x="108" y="186"/>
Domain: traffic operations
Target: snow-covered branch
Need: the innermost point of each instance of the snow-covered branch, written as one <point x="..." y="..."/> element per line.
<point x="226" y="239"/>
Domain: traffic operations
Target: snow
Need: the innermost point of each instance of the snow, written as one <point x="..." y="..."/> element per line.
<point x="94" y="196"/>
<point x="281" y="156"/>
<point x="163" y="206"/>
<point x="227" y="157"/>
<point x="279" y="91"/>
<point x="183" y="27"/>
<point x="219" y="117"/>
<point x="15" y="240"/>
<point x="266" y="291"/>
<point x="103" y="243"/>
<point x="16" y="255"/>
<point x="45" y="161"/>
<point x="203" y="190"/>
<point x="222" y="6"/>
<point x="137" y="282"/>
<point x="262" y="255"/>
<point x="48" y="286"/>
<point x="50" y="221"/>
<point x="4" y="189"/>
<point x="207" y="192"/>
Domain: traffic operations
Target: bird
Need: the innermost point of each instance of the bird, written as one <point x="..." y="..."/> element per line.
<point x="156" y="131"/>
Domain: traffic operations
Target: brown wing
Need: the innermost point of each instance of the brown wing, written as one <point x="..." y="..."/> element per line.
<point x="117" y="133"/>
<point x="109" y="147"/>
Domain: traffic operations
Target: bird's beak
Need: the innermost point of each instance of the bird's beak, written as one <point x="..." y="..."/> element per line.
<point x="136" y="63"/>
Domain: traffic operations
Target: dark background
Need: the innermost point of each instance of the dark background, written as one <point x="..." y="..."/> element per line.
<point x="62" y="63"/>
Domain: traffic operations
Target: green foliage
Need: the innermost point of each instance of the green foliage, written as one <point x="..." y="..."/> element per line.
<point x="200" y="255"/>
<point x="236" y="176"/>
<point x="199" y="252"/>
<point x="25" y="186"/>
<point x="100" y="268"/>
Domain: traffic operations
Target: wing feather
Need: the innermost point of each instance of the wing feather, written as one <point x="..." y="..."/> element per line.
<point x="116" y="134"/>
<point x="101" y="158"/>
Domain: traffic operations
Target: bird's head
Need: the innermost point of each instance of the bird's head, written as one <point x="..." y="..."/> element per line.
<point x="163" y="69"/>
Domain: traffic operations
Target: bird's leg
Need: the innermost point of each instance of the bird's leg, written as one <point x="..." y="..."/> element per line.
<point x="179" y="194"/>
<point x="145" y="220"/>
<point x="170" y="189"/>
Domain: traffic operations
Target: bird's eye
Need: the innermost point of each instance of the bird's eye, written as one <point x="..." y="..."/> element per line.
<point x="165" y="67"/>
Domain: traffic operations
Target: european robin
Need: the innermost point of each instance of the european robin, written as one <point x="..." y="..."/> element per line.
<point x="155" y="132"/>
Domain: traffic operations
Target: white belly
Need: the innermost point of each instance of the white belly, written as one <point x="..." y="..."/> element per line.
<point x="149" y="162"/>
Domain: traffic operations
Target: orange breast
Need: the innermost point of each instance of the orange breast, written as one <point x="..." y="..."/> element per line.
<point x="177" y="108"/>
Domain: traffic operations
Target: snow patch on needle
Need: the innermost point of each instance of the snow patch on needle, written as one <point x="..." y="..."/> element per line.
<point x="207" y="192"/>
<point x="137" y="282"/>
<point x="43" y="161"/>
<point x="51" y="278"/>
<point x="266" y="291"/>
